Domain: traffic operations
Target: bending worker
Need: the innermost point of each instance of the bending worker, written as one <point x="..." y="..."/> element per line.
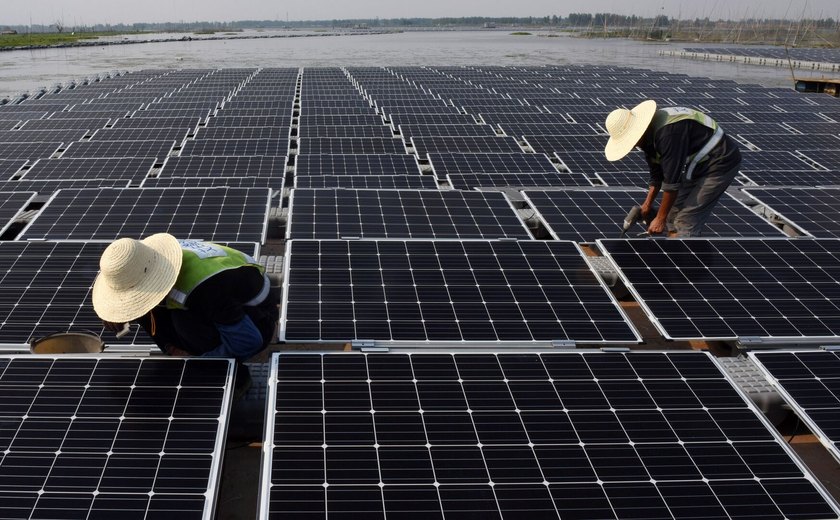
<point x="193" y="298"/>
<point x="691" y="161"/>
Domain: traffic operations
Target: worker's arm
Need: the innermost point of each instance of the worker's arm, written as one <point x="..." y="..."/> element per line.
<point x="653" y="191"/>
<point x="660" y="223"/>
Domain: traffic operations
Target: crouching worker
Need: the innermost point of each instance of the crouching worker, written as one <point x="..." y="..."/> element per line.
<point x="193" y="298"/>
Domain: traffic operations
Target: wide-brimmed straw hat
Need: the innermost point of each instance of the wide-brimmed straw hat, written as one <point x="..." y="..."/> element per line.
<point x="626" y="128"/>
<point x="135" y="275"/>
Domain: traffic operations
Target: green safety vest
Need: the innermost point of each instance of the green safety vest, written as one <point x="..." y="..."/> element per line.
<point x="669" y="116"/>
<point x="202" y="260"/>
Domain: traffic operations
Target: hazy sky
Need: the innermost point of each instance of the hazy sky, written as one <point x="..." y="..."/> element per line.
<point x="116" y="11"/>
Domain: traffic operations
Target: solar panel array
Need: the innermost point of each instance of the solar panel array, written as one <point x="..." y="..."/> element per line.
<point x="507" y="436"/>
<point x="815" y="55"/>
<point x="105" y="437"/>
<point x="12" y="203"/>
<point x="813" y="212"/>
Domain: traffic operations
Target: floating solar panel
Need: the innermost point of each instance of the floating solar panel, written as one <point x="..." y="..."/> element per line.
<point x="11" y="203"/>
<point x="130" y="168"/>
<point x="587" y="215"/>
<point x="157" y="149"/>
<point x="340" y="165"/>
<point x="398" y="120"/>
<point x="349" y="145"/>
<point x="210" y="214"/>
<point x="199" y="166"/>
<point x="782" y="117"/>
<point x="275" y="183"/>
<point x="378" y="182"/>
<point x="235" y="147"/>
<point x="346" y="131"/>
<point x="243" y="132"/>
<point x="638" y="179"/>
<point x="8" y="167"/>
<point x="768" y="289"/>
<point x="340" y="120"/>
<point x="807" y="381"/>
<point x="521" y="129"/>
<point x="253" y="121"/>
<point x="812" y="212"/>
<point x="26" y="151"/>
<point x="772" y="161"/>
<point x="111" y="437"/>
<point x="424" y="214"/>
<point x="596" y="162"/>
<point x="793" y="178"/>
<point x="49" y="187"/>
<point x="490" y="163"/>
<point x="549" y="144"/>
<point x="433" y="291"/>
<point x="408" y="131"/>
<point x="824" y="158"/>
<point x="159" y="122"/>
<point x="141" y="134"/>
<point x="464" y="144"/>
<point x="523" y="436"/>
<point x="30" y="136"/>
<point x="468" y="181"/>
<point x="517" y="118"/>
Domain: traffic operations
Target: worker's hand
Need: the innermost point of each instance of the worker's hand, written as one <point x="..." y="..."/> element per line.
<point x="174" y="351"/>
<point x="657" y="226"/>
<point x="113" y="327"/>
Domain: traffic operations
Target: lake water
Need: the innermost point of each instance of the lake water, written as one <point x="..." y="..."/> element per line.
<point x="29" y="70"/>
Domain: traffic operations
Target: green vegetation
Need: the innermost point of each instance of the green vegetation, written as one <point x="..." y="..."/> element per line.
<point x="520" y="33"/>
<point x="48" y="39"/>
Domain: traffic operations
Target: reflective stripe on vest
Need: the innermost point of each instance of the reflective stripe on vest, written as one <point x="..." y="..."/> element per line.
<point x="671" y="115"/>
<point x="202" y="260"/>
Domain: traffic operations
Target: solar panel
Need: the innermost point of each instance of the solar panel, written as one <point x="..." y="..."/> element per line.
<point x="349" y="145"/>
<point x="771" y="161"/>
<point x="211" y="214"/>
<point x="538" y="436"/>
<point x="424" y="214"/>
<point x="805" y="128"/>
<point x="549" y="144"/>
<point x="793" y="178"/>
<point x="341" y="165"/>
<point x="522" y="129"/>
<point x="408" y="131"/>
<point x="131" y="168"/>
<point x="379" y="182"/>
<point x="774" y="289"/>
<point x="157" y="122"/>
<point x="587" y="215"/>
<point x="468" y="181"/>
<point x="345" y="131"/>
<point x="638" y="179"/>
<point x="235" y="147"/>
<point x="812" y="212"/>
<point x="596" y="162"/>
<point x="806" y="380"/>
<point x="11" y="203"/>
<point x="781" y="117"/>
<point x="787" y="142"/>
<point x="24" y="151"/>
<point x="8" y="167"/>
<point x="339" y="120"/>
<point x="243" y="132"/>
<point x="396" y="291"/>
<point x="220" y="166"/>
<point x="398" y="120"/>
<point x="48" y="187"/>
<point x="31" y="136"/>
<point x="490" y="163"/>
<point x="827" y="159"/>
<point x="464" y="144"/>
<point x="141" y="134"/>
<point x="275" y="183"/>
<point x="110" y="437"/>
<point x="517" y="118"/>
<point x="156" y="149"/>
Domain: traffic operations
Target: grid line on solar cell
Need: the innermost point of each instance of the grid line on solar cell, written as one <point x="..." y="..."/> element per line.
<point x="490" y="163"/>
<point x="524" y="435"/>
<point x="596" y="162"/>
<point x="417" y="291"/>
<point x="729" y="289"/>
<point x="807" y="382"/>
<point x="221" y="166"/>
<point x="28" y="151"/>
<point x="813" y="212"/>
<point x="465" y="144"/>
<point x="118" y="149"/>
<point x="341" y="165"/>
<point x="350" y="145"/>
<point x="549" y="144"/>
<point x="382" y="182"/>
<point x="235" y="147"/>
<point x="11" y="203"/>
<point x="420" y="214"/>
<point x="345" y="131"/>
<point x="94" y="437"/>
<point x="88" y="168"/>
<point x="211" y="214"/>
<point x="587" y="215"/>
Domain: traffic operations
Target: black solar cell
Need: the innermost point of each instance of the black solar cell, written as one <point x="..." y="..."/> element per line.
<point x="235" y="147"/>
<point x="114" y="149"/>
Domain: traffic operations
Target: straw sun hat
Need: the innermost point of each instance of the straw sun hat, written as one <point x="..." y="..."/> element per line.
<point x="626" y="128"/>
<point x="135" y="275"/>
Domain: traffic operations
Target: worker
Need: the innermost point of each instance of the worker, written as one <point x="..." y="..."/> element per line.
<point x="193" y="298"/>
<point x="692" y="161"/>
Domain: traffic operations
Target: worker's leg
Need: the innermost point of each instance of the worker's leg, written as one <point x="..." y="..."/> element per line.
<point x="701" y="200"/>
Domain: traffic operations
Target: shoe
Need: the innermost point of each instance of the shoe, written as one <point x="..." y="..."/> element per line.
<point x="241" y="381"/>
